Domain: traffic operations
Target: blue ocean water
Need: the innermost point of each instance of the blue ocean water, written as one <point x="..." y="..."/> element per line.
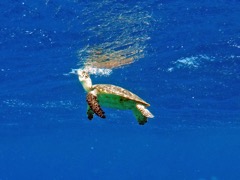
<point x="185" y="63"/>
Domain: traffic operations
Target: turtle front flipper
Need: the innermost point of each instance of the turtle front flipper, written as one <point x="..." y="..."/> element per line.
<point x="94" y="105"/>
<point x="90" y="113"/>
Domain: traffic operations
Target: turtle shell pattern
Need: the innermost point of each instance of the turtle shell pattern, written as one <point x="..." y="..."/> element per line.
<point x="116" y="90"/>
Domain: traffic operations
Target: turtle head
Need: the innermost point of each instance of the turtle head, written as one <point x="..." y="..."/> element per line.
<point x="85" y="79"/>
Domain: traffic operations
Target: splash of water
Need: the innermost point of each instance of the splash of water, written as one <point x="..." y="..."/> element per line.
<point x="98" y="71"/>
<point x="91" y="70"/>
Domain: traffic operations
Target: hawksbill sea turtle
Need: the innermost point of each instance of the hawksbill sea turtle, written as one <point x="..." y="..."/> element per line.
<point x="112" y="96"/>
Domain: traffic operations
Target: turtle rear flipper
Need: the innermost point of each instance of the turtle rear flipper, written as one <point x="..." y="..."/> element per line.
<point x="142" y="114"/>
<point x="145" y="112"/>
<point x="94" y="105"/>
<point x="139" y="116"/>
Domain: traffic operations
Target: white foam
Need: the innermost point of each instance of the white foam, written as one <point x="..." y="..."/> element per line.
<point x="91" y="70"/>
<point x="192" y="62"/>
<point x="98" y="71"/>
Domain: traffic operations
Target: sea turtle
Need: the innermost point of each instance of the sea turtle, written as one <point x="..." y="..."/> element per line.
<point x="112" y="96"/>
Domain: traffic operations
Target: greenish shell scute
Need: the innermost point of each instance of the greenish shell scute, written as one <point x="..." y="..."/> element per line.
<point x="114" y="101"/>
<point x="117" y="96"/>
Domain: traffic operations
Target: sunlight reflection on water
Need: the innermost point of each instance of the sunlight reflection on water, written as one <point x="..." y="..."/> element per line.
<point x="119" y="35"/>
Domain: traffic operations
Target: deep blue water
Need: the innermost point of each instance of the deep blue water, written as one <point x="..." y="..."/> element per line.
<point x="187" y="67"/>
